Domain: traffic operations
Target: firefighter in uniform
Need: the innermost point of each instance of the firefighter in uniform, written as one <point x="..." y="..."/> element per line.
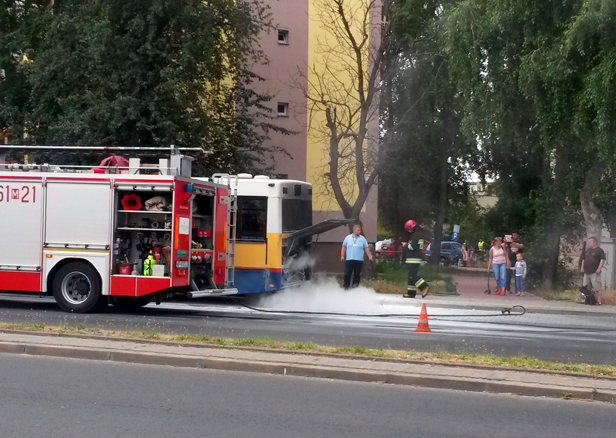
<point x="411" y="254"/>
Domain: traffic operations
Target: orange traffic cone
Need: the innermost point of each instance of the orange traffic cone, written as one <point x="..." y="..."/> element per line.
<point x="422" y="325"/>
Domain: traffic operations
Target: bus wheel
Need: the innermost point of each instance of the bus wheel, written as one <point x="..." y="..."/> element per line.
<point x="129" y="304"/>
<point x="77" y="288"/>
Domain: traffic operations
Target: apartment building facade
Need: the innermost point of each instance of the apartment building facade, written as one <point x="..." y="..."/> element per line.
<point x="296" y="48"/>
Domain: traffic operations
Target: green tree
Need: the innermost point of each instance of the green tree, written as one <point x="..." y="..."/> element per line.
<point x="424" y="165"/>
<point x="537" y="80"/>
<point x="22" y="27"/>
<point x="589" y="44"/>
<point x="153" y="73"/>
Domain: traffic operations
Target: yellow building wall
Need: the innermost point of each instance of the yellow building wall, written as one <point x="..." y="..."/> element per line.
<point x="329" y="76"/>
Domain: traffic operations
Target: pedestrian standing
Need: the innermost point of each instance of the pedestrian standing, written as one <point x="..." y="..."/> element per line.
<point x="514" y="245"/>
<point x="499" y="262"/>
<point x="520" y="275"/>
<point x="352" y="253"/>
<point x="466" y="253"/>
<point x="481" y="250"/>
<point x="593" y="261"/>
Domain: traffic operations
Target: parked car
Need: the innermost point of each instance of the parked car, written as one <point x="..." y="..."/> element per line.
<point x="385" y="249"/>
<point x="451" y="252"/>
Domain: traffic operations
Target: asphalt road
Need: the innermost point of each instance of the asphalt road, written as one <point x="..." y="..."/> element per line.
<point x="573" y="338"/>
<point x="64" y="398"/>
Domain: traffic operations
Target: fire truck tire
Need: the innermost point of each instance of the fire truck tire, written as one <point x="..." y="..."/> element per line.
<point x="77" y="288"/>
<point x="130" y="304"/>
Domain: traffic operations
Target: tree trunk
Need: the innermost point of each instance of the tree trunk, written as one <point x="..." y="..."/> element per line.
<point x="441" y="214"/>
<point x="552" y="244"/>
<point x="554" y="201"/>
<point x="592" y="215"/>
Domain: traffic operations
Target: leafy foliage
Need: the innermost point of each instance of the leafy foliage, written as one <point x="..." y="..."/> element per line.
<point x="538" y="97"/>
<point x="531" y="86"/>
<point x="151" y="73"/>
<point x="22" y="27"/>
<point x="426" y="155"/>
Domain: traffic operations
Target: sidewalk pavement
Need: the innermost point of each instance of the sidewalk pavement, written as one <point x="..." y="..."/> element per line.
<point x="471" y="287"/>
<point x="329" y="366"/>
<point x="497" y="303"/>
<point x="474" y="286"/>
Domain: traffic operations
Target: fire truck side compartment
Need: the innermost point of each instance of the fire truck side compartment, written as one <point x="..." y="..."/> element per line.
<point x="21" y="217"/>
<point x="78" y="226"/>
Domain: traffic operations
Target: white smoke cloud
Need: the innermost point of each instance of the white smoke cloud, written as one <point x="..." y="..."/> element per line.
<point x="298" y="263"/>
<point x="325" y="295"/>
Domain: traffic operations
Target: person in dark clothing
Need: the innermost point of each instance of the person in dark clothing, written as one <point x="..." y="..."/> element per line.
<point x="411" y="254"/>
<point x="592" y="263"/>
<point x="514" y="246"/>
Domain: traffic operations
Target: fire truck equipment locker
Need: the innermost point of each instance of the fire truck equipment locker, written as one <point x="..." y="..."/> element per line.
<point x="21" y="219"/>
<point x="78" y="227"/>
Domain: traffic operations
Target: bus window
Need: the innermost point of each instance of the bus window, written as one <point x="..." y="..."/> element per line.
<point x="252" y="218"/>
<point x="296" y="214"/>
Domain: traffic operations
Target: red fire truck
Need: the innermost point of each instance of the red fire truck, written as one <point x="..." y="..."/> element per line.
<point x="124" y="235"/>
<point x="128" y="233"/>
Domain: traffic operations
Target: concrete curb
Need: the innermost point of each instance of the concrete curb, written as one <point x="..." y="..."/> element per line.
<point x="307" y="370"/>
<point x="357" y="357"/>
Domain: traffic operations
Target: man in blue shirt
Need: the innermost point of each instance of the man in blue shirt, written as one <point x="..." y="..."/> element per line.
<point x="352" y="254"/>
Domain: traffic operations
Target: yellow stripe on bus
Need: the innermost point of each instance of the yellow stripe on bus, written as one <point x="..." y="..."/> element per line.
<point x="257" y="255"/>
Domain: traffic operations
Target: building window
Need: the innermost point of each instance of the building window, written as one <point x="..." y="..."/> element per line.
<point x="283" y="36"/>
<point x="283" y="109"/>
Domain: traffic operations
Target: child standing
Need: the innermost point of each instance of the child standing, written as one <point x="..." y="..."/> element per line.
<point x="520" y="275"/>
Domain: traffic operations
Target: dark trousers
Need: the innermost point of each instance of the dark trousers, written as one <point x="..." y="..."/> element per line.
<point x="510" y="273"/>
<point x="415" y="282"/>
<point x="352" y="268"/>
<point x="413" y="275"/>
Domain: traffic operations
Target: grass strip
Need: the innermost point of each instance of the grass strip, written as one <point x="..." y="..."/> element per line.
<point x="608" y="296"/>
<point x="391" y="277"/>
<point x="521" y="362"/>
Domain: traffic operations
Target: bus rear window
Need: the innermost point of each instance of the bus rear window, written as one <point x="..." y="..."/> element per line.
<point x="296" y="214"/>
<point x="252" y="218"/>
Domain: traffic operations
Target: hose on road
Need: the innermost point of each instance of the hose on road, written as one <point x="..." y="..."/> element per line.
<point x="516" y="310"/>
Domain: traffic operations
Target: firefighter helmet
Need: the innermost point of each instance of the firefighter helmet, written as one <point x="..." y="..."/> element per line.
<point x="410" y="225"/>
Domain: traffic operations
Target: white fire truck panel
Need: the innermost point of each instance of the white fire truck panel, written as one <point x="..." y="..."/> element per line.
<point x="78" y="214"/>
<point x="20" y="224"/>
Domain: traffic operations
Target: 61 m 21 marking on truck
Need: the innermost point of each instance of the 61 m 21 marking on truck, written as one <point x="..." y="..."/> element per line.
<point x="25" y="194"/>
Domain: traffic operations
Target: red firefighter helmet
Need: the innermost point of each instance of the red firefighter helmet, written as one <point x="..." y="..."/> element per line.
<point x="410" y="225"/>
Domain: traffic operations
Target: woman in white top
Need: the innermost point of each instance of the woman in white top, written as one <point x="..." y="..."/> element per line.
<point x="499" y="262"/>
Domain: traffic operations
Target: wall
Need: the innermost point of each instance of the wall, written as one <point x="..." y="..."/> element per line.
<point x="288" y="76"/>
<point x="328" y="71"/>
<point x="285" y="83"/>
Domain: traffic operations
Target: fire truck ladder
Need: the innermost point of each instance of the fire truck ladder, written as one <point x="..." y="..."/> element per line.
<point x="177" y="163"/>
<point x="231" y="225"/>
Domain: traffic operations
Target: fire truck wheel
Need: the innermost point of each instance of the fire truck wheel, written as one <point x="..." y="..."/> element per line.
<point x="77" y="288"/>
<point x="130" y="304"/>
